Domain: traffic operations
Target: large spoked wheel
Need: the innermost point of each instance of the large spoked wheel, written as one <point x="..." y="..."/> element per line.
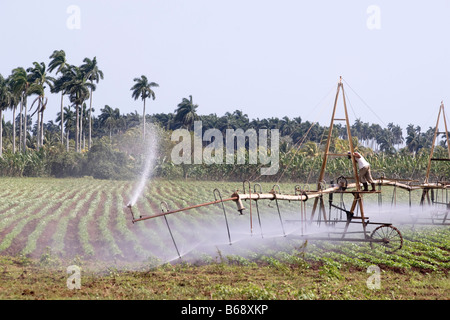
<point x="387" y="238"/>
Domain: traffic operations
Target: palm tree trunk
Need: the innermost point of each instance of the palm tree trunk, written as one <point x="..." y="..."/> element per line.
<point x="143" y="121"/>
<point x="25" y="127"/>
<point x="42" y="128"/>
<point x="62" y="119"/>
<point x="77" y="131"/>
<point x="90" y="120"/>
<point x="38" y="123"/>
<point x="20" y="122"/>
<point x="67" y="140"/>
<point x="14" y="130"/>
<point x="81" y="126"/>
<point x="1" y="133"/>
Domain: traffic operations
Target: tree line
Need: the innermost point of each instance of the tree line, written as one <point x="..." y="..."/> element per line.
<point x="77" y="83"/>
<point x="76" y="129"/>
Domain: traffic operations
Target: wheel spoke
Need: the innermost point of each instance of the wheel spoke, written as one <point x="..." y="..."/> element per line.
<point x="391" y="235"/>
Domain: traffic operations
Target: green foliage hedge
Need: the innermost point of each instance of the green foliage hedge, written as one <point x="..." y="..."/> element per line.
<point x="101" y="162"/>
<point x="111" y="161"/>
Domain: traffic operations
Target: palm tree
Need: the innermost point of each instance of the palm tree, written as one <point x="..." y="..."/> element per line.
<point x="4" y="104"/>
<point x="287" y="126"/>
<point x="186" y="112"/>
<point x="59" y="63"/>
<point x="357" y="126"/>
<point x="92" y="73"/>
<point x="19" y="84"/>
<point x="109" y="117"/>
<point x="375" y="132"/>
<point x="365" y="131"/>
<point x="398" y="135"/>
<point x="84" y="120"/>
<point x="14" y="100"/>
<point x="210" y="121"/>
<point x="38" y="75"/>
<point x="78" y="89"/>
<point x="41" y="105"/>
<point x="66" y="119"/>
<point x="240" y="119"/>
<point x="23" y="86"/>
<point x="131" y="119"/>
<point x="413" y="138"/>
<point x="51" y="133"/>
<point x="224" y="123"/>
<point x="143" y="89"/>
<point x="385" y="141"/>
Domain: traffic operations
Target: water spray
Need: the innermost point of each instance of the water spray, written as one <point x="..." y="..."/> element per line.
<point x="385" y="234"/>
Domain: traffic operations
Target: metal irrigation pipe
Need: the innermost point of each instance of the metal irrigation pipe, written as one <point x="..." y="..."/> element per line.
<point x="163" y="203"/>
<point x="257" y="208"/>
<point x="224" y="213"/>
<point x="233" y="198"/>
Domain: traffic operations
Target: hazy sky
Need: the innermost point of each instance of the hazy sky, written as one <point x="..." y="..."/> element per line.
<point x="267" y="58"/>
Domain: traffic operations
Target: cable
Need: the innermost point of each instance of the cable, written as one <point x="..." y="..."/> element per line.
<point x="365" y="103"/>
<point x="351" y="106"/>
<point x="321" y="101"/>
<point x="300" y="142"/>
<point x="298" y="148"/>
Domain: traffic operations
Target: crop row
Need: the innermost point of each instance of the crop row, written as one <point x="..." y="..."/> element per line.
<point x="89" y="218"/>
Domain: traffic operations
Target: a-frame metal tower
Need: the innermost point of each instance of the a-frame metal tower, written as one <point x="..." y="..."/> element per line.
<point x="425" y="193"/>
<point x="357" y="200"/>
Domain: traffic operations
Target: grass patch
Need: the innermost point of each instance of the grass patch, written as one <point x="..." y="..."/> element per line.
<point x="268" y="280"/>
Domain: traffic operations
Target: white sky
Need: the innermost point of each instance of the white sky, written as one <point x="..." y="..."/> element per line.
<point x="267" y="58"/>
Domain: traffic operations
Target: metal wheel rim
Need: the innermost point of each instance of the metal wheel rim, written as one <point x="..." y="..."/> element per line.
<point x="391" y="236"/>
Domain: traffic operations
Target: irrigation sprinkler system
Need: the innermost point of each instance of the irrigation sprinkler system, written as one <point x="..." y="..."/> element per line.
<point x="378" y="234"/>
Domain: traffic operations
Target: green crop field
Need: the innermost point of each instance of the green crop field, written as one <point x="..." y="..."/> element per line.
<point x="49" y="224"/>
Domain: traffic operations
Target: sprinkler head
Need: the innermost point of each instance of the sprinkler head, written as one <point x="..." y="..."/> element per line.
<point x="240" y="206"/>
<point x="131" y="211"/>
